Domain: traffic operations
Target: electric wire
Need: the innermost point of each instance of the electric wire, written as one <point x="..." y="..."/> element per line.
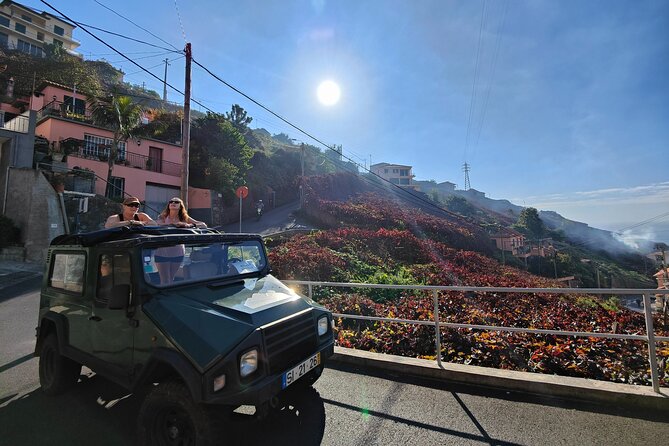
<point x="138" y="26"/>
<point x="472" y="100"/>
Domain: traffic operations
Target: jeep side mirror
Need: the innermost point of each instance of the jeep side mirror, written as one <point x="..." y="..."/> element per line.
<point x="120" y="295"/>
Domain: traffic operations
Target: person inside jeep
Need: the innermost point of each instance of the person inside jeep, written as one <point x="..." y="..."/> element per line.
<point x="105" y="281"/>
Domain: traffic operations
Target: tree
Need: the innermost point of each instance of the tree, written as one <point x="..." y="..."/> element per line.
<point x="530" y="223"/>
<point x="121" y="115"/>
<point x="219" y="155"/>
<point x="238" y="118"/>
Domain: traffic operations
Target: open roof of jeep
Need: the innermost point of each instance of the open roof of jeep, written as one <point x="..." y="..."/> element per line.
<point x="125" y="236"/>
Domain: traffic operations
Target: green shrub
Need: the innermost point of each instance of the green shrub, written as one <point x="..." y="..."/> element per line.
<point x="9" y="233"/>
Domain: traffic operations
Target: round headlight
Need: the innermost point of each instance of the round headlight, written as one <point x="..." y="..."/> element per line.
<point x="322" y="325"/>
<point x="248" y="363"/>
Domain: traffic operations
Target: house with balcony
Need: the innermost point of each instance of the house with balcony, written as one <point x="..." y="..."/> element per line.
<point x="147" y="168"/>
<point x="395" y="173"/>
<point x="27" y="30"/>
<point x="509" y="240"/>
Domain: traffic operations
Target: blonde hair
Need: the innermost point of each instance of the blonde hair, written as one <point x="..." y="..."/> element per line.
<point x="183" y="213"/>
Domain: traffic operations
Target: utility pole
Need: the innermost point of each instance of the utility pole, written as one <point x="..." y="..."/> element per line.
<point x="165" y="81"/>
<point x="302" y="178"/>
<point x="186" y="130"/>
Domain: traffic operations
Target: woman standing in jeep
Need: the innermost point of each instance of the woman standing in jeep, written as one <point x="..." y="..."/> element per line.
<point x="129" y="216"/>
<point x="168" y="260"/>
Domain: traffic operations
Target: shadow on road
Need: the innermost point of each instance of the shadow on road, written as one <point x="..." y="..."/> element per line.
<point x="98" y="412"/>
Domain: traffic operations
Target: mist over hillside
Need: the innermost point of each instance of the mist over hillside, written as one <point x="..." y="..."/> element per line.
<point x="577" y="232"/>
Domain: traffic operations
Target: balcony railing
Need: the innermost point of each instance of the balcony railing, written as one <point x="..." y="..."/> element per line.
<point x="20" y="123"/>
<point x="64" y="110"/>
<point x="100" y="152"/>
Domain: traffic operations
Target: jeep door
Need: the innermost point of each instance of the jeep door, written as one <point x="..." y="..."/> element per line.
<point x="66" y="294"/>
<point x="111" y="331"/>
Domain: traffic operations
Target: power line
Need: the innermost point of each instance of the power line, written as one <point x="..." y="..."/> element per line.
<point x="138" y="26"/>
<point x="122" y="55"/>
<point x="472" y="100"/>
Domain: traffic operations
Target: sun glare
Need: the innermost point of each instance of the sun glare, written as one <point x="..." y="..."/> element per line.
<point x="328" y="93"/>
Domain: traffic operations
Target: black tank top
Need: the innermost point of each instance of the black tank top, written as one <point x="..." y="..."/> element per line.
<point x="135" y="217"/>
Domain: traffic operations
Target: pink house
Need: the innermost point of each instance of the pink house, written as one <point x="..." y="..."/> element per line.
<point x="146" y="168"/>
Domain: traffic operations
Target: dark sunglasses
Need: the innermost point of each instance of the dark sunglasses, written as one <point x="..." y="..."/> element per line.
<point x="175" y="201"/>
<point x="133" y="205"/>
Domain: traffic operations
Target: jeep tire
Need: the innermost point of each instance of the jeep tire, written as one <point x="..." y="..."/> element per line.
<point x="169" y="416"/>
<point x="56" y="372"/>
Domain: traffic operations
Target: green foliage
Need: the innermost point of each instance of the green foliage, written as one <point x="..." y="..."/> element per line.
<point x="219" y="155"/>
<point x="460" y="205"/>
<point x="530" y="224"/>
<point x="239" y="118"/>
<point x="9" y="233"/>
<point x="283" y="138"/>
<point x="91" y="77"/>
<point x="122" y="116"/>
<point x="164" y="125"/>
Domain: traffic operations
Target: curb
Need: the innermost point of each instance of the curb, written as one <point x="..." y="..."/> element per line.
<point x="526" y="382"/>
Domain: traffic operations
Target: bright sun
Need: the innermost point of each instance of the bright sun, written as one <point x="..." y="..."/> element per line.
<point x="328" y="93"/>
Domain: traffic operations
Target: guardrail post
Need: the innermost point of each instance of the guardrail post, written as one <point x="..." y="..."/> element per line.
<point x="437" y="331"/>
<point x="310" y="292"/>
<point x="652" y="355"/>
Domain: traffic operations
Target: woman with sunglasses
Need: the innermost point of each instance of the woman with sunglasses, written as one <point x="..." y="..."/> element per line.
<point x="169" y="259"/>
<point x="129" y="216"/>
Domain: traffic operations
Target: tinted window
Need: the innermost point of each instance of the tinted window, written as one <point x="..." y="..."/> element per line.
<point x="20" y="28"/>
<point x="58" y="30"/>
<point x="68" y="272"/>
<point x="113" y="269"/>
<point x="4" y="21"/>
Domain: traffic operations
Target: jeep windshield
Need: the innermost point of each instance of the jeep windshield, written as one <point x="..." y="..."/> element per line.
<point x="174" y="264"/>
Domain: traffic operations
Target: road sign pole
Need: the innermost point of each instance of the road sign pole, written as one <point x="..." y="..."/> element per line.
<point x="240" y="213"/>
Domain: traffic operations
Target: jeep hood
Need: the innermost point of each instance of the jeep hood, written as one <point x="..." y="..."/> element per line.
<point x="207" y="321"/>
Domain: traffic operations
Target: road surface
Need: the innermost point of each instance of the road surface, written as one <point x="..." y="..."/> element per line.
<point x="347" y="407"/>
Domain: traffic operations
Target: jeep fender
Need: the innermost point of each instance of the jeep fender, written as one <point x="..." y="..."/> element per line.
<point x="52" y="322"/>
<point x="164" y="363"/>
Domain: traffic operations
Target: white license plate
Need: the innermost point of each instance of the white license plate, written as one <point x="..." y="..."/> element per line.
<point x="298" y="372"/>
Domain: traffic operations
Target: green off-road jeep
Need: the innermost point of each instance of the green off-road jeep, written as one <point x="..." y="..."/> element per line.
<point x="191" y="317"/>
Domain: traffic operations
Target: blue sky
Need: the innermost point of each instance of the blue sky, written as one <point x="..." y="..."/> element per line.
<point x="567" y="108"/>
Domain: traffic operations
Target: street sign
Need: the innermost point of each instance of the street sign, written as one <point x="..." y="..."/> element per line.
<point x="242" y="192"/>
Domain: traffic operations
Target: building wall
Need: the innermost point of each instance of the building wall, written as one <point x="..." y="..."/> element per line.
<point x="35" y="208"/>
<point x="39" y="30"/>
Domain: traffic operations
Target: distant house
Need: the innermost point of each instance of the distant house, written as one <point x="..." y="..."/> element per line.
<point x="27" y="30"/>
<point x="509" y="240"/>
<point x="395" y="173"/>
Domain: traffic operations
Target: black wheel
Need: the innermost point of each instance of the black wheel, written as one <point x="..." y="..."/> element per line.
<point x="169" y="416"/>
<point x="56" y="372"/>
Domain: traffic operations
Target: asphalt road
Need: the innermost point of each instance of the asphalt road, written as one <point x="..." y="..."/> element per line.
<point x="347" y="407"/>
<point x="272" y="221"/>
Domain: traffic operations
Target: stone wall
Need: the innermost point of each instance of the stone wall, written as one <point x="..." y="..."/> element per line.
<point x="34" y="206"/>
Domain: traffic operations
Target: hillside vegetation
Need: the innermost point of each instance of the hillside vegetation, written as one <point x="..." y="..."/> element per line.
<point x="370" y="238"/>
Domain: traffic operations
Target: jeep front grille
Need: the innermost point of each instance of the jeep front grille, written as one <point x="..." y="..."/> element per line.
<point x="290" y="341"/>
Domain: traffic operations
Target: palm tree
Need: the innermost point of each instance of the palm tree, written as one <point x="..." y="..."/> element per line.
<point x="121" y="115"/>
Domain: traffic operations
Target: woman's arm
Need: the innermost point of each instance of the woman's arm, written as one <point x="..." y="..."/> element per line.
<point x="197" y="223"/>
<point x="144" y="218"/>
<point x="113" y="221"/>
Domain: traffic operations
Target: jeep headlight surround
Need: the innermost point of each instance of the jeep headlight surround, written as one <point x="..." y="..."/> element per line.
<point x="322" y="325"/>
<point x="248" y="363"/>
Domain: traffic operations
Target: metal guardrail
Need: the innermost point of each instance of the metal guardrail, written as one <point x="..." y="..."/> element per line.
<point x="650" y="337"/>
